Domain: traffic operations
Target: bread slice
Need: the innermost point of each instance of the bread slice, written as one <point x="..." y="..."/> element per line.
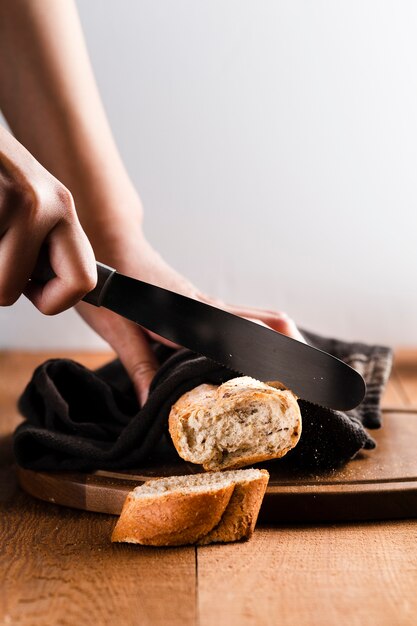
<point x="194" y="509"/>
<point x="238" y="423"/>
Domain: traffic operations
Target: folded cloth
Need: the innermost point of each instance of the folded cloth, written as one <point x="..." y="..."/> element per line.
<point x="77" y="419"/>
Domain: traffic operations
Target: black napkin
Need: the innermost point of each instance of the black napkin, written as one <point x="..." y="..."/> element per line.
<point x="77" y="419"/>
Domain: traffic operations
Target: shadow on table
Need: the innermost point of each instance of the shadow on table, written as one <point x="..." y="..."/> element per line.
<point x="8" y="480"/>
<point x="6" y="450"/>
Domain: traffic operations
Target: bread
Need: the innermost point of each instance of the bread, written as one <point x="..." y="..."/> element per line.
<point x="241" y="422"/>
<point x="195" y="509"/>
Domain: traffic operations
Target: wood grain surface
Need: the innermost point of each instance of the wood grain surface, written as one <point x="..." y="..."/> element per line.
<point x="57" y="565"/>
<point x="345" y="575"/>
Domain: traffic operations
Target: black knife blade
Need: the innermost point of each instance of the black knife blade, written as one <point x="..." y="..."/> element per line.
<point x="237" y="343"/>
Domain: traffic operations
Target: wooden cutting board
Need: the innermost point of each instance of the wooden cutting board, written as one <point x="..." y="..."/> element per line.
<point x="377" y="484"/>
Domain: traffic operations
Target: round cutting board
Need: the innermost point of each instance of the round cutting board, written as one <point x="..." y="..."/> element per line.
<point x="376" y="484"/>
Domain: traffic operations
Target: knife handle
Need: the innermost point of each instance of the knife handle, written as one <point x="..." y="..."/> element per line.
<point x="104" y="274"/>
<point x="45" y="272"/>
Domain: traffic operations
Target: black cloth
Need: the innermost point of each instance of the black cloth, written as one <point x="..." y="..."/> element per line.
<point x="77" y="419"/>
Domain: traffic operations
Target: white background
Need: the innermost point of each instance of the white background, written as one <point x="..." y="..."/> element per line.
<point x="274" y="145"/>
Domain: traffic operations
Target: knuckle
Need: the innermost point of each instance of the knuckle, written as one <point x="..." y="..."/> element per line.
<point x="89" y="280"/>
<point x="64" y="199"/>
<point x="282" y="322"/>
<point x="64" y="196"/>
<point x="142" y="369"/>
<point x="53" y="201"/>
<point x="278" y="318"/>
<point x="82" y="283"/>
<point x="282" y="315"/>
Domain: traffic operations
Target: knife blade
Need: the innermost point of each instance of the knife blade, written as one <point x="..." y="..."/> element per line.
<point x="239" y="344"/>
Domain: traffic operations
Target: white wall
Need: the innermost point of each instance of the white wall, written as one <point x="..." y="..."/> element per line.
<point x="274" y="145"/>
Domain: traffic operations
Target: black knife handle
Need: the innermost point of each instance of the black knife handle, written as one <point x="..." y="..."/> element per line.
<point x="44" y="272"/>
<point x="104" y="274"/>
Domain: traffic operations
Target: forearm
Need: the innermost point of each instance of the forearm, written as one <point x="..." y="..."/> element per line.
<point x="49" y="97"/>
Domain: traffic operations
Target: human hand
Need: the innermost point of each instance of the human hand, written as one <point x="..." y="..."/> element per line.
<point x="62" y="121"/>
<point x="130" y="252"/>
<point x="37" y="213"/>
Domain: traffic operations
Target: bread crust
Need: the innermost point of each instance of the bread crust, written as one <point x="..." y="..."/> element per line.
<point x="239" y="519"/>
<point x="232" y="396"/>
<point x="172" y="519"/>
<point x="225" y="514"/>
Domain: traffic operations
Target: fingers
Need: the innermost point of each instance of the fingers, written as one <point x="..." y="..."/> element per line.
<point x="72" y="260"/>
<point x="19" y="244"/>
<point x="130" y="343"/>
<point x="277" y="320"/>
<point x="288" y="327"/>
<point x="161" y="339"/>
<point x="140" y="363"/>
<point x="70" y="256"/>
<point x="17" y="260"/>
<point x="267" y="316"/>
<point x="36" y="213"/>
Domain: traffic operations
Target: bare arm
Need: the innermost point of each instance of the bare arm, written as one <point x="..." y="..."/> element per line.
<point x="50" y="100"/>
<point x="49" y="97"/>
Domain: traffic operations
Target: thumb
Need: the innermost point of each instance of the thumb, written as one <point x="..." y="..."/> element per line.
<point x="129" y="341"/>
<point x="139" y="361"/>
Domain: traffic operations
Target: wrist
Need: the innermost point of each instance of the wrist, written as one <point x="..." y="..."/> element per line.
<point x="113" y="234"/>
<point x="108" y="214"/>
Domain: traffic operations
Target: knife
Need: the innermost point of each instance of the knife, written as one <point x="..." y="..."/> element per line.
<point x="238" y="344"/>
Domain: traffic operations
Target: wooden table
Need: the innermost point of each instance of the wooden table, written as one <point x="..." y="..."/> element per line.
<point x="57" y="565"/>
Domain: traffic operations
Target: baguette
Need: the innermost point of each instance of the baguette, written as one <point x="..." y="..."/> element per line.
<point x="239" y="423"/>
<point x="195" y="509"/>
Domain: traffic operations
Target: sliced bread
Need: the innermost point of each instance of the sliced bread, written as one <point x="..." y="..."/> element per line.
<point x="195" y="509"/>
<point x="239" y="423"/>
